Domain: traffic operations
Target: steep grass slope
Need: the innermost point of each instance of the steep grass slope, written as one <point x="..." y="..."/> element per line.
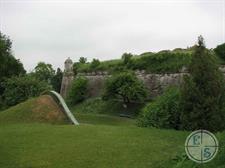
<point x="41" y="109"/>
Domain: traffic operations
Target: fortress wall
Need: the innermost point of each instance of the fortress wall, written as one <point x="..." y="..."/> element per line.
<point x="155" y="83"/>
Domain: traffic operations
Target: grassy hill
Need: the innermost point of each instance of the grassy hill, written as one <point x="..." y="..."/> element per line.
<point x="41" y="109"/>
<point x="101" y="140"/>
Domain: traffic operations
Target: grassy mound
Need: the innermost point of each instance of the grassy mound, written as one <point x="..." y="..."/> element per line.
<point x="41" y="109"/>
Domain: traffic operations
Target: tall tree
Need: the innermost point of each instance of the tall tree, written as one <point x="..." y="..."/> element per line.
<point x="44" y="72"/>
<point x="9" y="65"/>
<point x="95" y="63"/>
<point x="126" y="57"/>
<point x="57" y="80"/>
<point x="202" y="93"/>
<point x="83" y="60"/>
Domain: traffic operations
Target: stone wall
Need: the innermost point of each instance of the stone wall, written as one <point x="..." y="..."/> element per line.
<point x="155" y="83"/>
<point x="66" y="84"/>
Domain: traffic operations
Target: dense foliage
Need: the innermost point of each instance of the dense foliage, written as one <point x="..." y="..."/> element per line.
<point x="126" y="57"/>
<point x="94" y="64"/>
<point x="202" y="93"/>
<point x="44" y="72"/>
<point x="161" y="62"/>
<point x="57" y="80"/>
<point x="83" y="60"/>
<point x="78" y="90"/>
<point x="9" y="65"/>
<point x="164" y="112"/>
<point x="220" y="51"/>
<point x="19" y="89"/>
<point x="125" y="86"/>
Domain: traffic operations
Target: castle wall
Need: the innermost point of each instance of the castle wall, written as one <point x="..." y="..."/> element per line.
<point x="155" y="83"/>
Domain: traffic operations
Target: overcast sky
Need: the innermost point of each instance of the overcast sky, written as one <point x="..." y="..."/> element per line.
<point x="51" y="31"/>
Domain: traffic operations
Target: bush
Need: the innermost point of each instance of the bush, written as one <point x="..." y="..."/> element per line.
<point x="126" y="57"/>
<point x="125" y="86"/>
<point x="94" y="64"/>
<point x="78" y="90"/>
<point x="164" y="112"/>
<point x="19" y="89"/>
<point x="220" y="51"/>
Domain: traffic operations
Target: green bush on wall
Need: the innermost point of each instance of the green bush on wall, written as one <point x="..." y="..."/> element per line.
<point x="125" y="86"/>
<point x="78" y="90"/>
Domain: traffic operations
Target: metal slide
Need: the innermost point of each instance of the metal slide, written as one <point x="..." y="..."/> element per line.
<point x="62" y="103"/>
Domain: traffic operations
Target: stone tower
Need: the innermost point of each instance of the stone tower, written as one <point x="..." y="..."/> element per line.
<point x="68" y="76"/>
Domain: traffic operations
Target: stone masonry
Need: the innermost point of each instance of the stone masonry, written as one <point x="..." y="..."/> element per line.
<point x="155" y="83"/>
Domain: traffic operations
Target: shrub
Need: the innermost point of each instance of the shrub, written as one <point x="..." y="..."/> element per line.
<point x="78" y="90"/>
<point x="202" y="93"/>
<point x="220" y="51"/>
<point x="164" y="112"/>
<point x="19" y="89"/>
<point x="126" y="57"/>
<point x="125" y="86"/>
<point x="94" y="64"/>
<point x="83" y="60"/>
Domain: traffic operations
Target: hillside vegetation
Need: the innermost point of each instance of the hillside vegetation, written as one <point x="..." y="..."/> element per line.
<point x="161" y="62"/>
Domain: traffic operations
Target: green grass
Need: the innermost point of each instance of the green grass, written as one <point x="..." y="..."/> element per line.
<point x="41" y="145"/>
<point x="98" y="106"/>
<point x="104" y="120"/>
<point x="100" y="141"/>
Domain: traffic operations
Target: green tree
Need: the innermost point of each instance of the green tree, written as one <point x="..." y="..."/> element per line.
<point x="83" y="60"/>
<point x="57" y="80"/>
<point x="220" y="51"/>
<point x="9" y="66"/>
<point x="126" y="57"/>
<point x="18" y="89"/>
<point x="78" y="90"/>
<point x="95" y="63"/>
<point x="125" y="86"/>
<point x="44" y="72"/>
<point x="202" y="93"/>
